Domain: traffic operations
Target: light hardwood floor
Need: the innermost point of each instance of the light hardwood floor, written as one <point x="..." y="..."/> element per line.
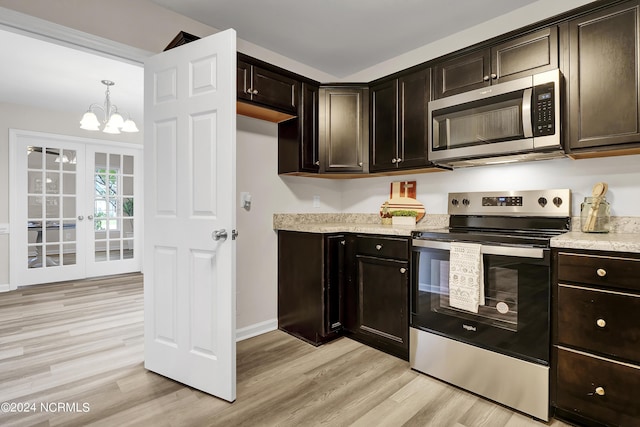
<point x="80" y="343"/>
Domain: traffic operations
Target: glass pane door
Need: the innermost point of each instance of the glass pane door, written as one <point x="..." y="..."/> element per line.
<point x="114" y="218"/>
<point x="48" y="197"/>
<point x="77" y="201"/>
<point x="52" y="201"/>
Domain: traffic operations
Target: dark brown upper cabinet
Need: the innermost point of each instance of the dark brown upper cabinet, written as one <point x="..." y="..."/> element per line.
<point x="344" y="129"/>
<point x="298" y="150"/>
<point x="260" y="85"/>
<point x="519" y="57"/>
<point x="603" y="96"/>
<point x="399" y="122"/>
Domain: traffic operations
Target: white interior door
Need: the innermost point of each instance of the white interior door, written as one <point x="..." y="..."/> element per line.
<point x="189" y="186"/>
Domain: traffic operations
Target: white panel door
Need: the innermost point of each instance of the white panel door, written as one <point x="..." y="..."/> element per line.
<point x="189" y="186"/>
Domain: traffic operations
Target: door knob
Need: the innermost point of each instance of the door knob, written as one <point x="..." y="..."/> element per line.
<point x="219" y="234"/>
<point x="90" y="217"/>
<point x="80" y="217"/>
<point x="601" y="272"/>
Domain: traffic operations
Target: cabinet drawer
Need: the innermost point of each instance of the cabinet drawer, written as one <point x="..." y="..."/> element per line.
<point x="598" y="388"/>
<point x="384" y="247"/>
<point x="604" y="322"/>
<point x="607" y="271"/>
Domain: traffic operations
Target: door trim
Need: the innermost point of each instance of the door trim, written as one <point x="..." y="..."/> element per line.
<point x="17" y="22"/>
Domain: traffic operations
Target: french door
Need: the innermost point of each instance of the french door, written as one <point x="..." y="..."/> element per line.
<point x="72" y="210"/>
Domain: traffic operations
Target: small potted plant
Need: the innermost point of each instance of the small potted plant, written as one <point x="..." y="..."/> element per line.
<point x="385" y="214"/>
<point x="403" y="217"/>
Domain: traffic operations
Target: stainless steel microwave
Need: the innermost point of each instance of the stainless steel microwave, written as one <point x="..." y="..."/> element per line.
<point x="512" y="121"/>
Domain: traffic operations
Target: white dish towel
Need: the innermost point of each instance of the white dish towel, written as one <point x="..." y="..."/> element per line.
<point x="466" y="276"/>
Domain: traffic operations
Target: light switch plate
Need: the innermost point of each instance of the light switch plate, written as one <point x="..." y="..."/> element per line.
<point x="4" y="228"/>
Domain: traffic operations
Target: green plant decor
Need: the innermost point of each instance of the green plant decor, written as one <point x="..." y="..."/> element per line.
<point x="403" y="212"/>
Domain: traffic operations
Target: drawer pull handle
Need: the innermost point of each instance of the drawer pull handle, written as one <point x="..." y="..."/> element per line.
<point x="601" y="272"/>
<point x="403" y="270"/>
<point x="601" y="323"/>
<point x="600" y="391"/>
<point x="378" y="247"/>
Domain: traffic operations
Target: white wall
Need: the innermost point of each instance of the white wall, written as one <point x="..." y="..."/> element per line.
<point x="257" y="173"/>
<point x="621" y="173"/>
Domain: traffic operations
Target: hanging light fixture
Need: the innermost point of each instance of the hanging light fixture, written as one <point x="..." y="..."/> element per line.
<point x="113" y="121"/>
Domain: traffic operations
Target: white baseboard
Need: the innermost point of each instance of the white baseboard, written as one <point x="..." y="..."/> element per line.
<point x="5" y="287"/>
<point x="256" y="329"/>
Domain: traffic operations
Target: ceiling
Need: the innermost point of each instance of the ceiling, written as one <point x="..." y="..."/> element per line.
<point x="341" y="37"/>
<point x="50" y="76"/>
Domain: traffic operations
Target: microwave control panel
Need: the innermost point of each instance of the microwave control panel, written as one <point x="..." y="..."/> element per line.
<point x="543" y="103"/>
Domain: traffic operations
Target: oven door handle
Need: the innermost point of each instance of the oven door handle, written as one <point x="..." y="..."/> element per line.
<point x="512" y="251"/>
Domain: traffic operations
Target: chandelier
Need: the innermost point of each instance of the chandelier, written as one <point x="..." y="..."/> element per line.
<point x="113" y="121"/>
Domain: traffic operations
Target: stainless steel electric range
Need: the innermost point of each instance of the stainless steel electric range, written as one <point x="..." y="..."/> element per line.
<point x="497" y="347"/>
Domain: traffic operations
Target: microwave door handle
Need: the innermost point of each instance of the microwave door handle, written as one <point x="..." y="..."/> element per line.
<point x="512" y="251"/>
<point x="527" y="125"/>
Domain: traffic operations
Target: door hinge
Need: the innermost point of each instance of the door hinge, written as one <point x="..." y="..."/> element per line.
<point x="234" y="234"/>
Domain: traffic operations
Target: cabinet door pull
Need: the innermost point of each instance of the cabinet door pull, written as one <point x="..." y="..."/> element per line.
<point x="317" y="163"/>
<point x="600" y="391"/>
<point x="378" y="247"/>
<point x="403" y="270"/>
<point x="249" y="91"/>
<point x="601" y="272"/>
<point x="494" y="76"/>
<point x="255" y="91"/>
<point x="398" y="160"/>
<point x="394" y="160"/>
<point x="343" y="242"/>
<point x="485" y="78"/>
<point x="601" y="323"/>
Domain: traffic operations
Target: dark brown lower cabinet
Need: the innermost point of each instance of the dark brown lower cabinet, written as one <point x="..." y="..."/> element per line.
<point x="596" y="337"/>
<point x="381" y="289"/>
<point x="601" y="390"/>
<point x="310" y="283"/>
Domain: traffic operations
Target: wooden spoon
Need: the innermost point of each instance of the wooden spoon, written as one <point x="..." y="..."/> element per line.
<point x="598" y="191"/>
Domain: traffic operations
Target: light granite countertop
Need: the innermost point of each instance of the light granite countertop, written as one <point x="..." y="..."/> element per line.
<point x="616" y="242"/>
<point x="624" y="237"/>
<point x="353" y="223"/>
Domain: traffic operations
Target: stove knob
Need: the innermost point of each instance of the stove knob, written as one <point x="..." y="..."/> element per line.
<point x="465" y="202"/>
<point x="455" y="202"/>
<point x="557" y="201"/>
<point x="542" y="201"/>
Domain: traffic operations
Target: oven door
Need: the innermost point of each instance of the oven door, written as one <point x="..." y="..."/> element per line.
<point x="514" y="319"/>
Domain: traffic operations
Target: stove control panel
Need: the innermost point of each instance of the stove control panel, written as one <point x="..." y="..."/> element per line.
<point x="502" y="201"/>
<point x="548" y="203"/>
